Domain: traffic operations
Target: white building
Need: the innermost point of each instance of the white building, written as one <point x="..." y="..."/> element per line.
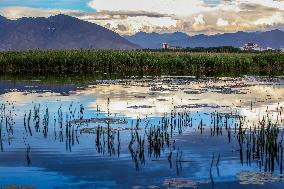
<point x="251" y="47"/>
<point x="269" y="49"/>
<point x="166" y="46"/>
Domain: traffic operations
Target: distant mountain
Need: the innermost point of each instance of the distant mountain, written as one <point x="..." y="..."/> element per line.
<point x="3" y="19"/>
<point x="273" y="39"/>
<point x="155" y="40"/>
<point x="58" y="32"/>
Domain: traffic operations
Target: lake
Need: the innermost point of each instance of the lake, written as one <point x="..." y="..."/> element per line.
<point x="150" y="132"/>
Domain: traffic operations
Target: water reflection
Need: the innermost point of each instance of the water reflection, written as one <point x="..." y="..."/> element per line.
<point x="166" y="132"/>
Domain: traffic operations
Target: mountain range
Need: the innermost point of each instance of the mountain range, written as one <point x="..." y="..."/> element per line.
<point x="58" y="32"/>
<point x="273" y="39"/>
<point x="66" y="32"/>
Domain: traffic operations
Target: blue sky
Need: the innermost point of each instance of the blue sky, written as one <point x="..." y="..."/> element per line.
<point x="131" y="16"/>
<point x="81" y="5"/>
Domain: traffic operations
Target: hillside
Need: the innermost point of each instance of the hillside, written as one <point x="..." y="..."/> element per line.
<point x="274" y="39"/>
<point x="58" y="32"/>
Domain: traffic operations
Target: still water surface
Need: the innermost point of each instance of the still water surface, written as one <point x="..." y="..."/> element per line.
<point x="166" y="132"/>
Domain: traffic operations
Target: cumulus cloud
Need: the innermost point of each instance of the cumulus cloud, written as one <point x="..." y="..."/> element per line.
<point x="19" y="12"/>
<point x="274" y="19"/>
<point x="175" y="7"/>
<point x="199" y="20"/>
<point x="193" y="17"/>
<point x="279" y="4"/>
<point x="221" y="22"/>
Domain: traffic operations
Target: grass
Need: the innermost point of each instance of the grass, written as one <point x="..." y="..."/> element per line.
<point x="126" y="63"/>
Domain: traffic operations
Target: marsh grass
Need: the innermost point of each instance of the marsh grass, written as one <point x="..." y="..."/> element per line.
<point x="84" y="62"/>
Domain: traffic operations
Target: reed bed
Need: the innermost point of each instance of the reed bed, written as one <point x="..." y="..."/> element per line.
<point x="83" y="62"/>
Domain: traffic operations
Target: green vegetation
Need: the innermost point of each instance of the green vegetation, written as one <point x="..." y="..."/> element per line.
<point x="84" y="62"/>
<point x="221" y="49"/>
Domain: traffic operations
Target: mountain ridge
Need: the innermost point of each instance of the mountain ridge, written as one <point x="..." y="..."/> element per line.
<point x="58" y="32"/>
<point x="273" y="39"/>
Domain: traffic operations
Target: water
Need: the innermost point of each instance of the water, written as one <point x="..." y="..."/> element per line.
<point x="165" y="132"/>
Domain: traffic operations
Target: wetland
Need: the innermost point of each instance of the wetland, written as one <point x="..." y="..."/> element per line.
<point x="142" y="132"/>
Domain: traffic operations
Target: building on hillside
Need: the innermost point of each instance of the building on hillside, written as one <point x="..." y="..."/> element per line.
<point x="269" y="49"/>
<point x="166" y="46"/>
<point x="175" y="47"/>
<point x="251" y="47"/>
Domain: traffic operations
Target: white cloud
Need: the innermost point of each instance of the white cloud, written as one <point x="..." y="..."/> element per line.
<point x="199" y="20"/>
<point x="190" y="16"/>
<point x="19" y="12"/>
<point x="196" y="16"/>
<point x="279" y="4"/>
<point x="175" y="7"/>
<point x="138" y="23"/>
<point x="276" y="18"/>
<point x="222" y="22"/>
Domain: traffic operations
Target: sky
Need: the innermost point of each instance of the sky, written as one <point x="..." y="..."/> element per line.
<point x="128" y="17"/>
